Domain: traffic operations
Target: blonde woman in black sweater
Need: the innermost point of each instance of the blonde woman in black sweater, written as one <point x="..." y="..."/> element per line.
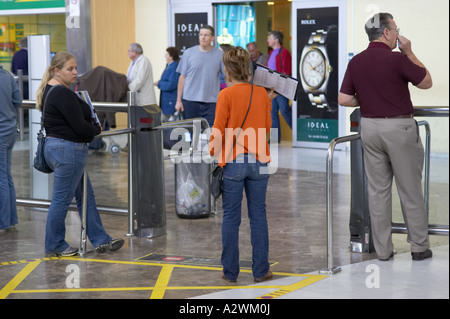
<point x="69" y="127"/>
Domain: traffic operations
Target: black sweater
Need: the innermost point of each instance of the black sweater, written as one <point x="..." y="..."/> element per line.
<point x="68" y="117"/>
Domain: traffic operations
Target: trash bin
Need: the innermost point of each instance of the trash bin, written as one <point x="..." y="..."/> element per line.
<point x="360" y="232"/>
<point x="192" y="187"/>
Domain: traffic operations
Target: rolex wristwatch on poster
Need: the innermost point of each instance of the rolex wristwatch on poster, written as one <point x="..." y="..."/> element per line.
<point x="315" y="67"/>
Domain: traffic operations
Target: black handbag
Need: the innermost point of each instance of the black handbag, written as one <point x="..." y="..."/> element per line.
<point x="39" y="159"/>
<point x="216" y="173"/>
<point x="216" y="181"/>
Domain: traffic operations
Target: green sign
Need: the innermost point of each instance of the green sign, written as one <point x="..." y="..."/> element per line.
<point x="317" y="130"/>
<point x="31" y="4"/>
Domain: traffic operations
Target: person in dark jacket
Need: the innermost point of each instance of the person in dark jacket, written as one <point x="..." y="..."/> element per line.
<point x="10" y="100"/>
<point x="168" y="84"/>
<point x="69" y="127"/>
<point x="20" y="62"/>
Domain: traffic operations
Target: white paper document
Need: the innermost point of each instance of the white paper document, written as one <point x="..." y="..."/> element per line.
<point x="282" y="83"/>
<point x="84" y="95"/>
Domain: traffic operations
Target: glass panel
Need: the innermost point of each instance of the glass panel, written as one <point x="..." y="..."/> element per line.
<point x="235" y="24"/>
<point x="13" y="28"/>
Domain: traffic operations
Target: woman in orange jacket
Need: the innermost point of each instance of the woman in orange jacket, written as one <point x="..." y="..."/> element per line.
<point x="243" y="152"/>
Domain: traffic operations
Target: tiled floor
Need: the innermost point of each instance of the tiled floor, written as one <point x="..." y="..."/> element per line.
<point x="185" y="263"/>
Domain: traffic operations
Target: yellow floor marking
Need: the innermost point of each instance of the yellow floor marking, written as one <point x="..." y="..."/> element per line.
<point x="162" y="282"/>
<point x="109" y="289"/>
<point x="161" y="285"/>
<point x="9" y="288"/>
<point x="294" y="287"/>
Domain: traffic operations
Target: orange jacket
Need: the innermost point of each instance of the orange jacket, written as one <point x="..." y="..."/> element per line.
<point x="231" y="108"/>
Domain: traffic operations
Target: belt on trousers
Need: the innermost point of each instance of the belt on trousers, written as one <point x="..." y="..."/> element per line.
<point x="407" y="116"/>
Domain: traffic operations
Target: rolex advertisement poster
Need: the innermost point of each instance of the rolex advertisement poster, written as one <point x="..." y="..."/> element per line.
<point x="318" y="56"/>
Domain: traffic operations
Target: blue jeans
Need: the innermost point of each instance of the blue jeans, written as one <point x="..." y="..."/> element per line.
<point x="281" y="103"/>
<point x="244" y="173"/>
<point x="8" y="208"/>
<point x="200" y="109"/>
<point x="68" y="160"/>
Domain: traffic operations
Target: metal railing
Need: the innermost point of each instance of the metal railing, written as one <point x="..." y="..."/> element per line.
<point x="20" y="79"/>
<point x="331" y="269"/>
<point x="111" y="107"/>
<point x="117" y="107"/>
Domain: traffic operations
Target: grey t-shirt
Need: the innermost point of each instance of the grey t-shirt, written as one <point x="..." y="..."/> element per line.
<point x="201" y="70"/>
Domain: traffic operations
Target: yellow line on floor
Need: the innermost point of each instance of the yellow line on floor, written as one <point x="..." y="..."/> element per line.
<point x="139" y="263"/>
<point x="162" y="282"/>
<point x="112" y="289"/>
<point x="294" y="287"/>
<point x="10" y="286"/>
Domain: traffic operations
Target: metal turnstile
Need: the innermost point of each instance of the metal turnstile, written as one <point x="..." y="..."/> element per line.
<point x="360" y="233"/>
<point x="147" y="168"/>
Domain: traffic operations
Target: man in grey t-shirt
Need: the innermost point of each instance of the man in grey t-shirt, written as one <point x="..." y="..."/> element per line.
<point x="199" y="83"/>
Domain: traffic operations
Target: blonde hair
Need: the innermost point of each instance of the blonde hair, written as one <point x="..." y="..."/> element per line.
<point x="237" y="63"/>
<point x="58" y="62"/>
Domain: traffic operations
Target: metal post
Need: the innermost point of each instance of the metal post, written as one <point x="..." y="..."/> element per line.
<point x="83" y="238"/>
<point x="131" y="99"/>
<point x="20" y="111"/>
<point x="331" y="270"/>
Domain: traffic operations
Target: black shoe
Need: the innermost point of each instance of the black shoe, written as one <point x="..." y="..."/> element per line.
<point x="390" y="256"/>
<point x="421" y="256"/>
<point x="114" y="245"/>
<point x="69" y="252"/>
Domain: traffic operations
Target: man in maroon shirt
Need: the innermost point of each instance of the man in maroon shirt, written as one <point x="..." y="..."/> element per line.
<point x="377" y="80"/>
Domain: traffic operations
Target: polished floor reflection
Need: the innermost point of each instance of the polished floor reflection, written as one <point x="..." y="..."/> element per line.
<point x="185" y="263"/>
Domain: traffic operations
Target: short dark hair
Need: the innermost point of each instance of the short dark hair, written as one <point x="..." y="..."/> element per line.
<point x="208" y="27"/>
<point x="174" y="53"/>
<point x="376" y="25"/>
<point x="277" y="35"/>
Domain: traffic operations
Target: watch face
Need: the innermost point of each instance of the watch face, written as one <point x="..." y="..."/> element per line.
<point x="313" y="68"/>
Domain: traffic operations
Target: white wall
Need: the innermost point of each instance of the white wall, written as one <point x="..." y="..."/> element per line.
<point x="152" y="33"/>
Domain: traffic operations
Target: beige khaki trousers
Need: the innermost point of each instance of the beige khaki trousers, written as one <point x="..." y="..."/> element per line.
<point x="393" y="148"/>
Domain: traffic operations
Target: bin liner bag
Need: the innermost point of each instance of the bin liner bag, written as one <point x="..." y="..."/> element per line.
<point x="192" y="195"/>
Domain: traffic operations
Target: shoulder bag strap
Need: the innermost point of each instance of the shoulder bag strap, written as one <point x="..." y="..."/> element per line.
<point x="242" y="125"/>
<point x="43" y="106"/>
